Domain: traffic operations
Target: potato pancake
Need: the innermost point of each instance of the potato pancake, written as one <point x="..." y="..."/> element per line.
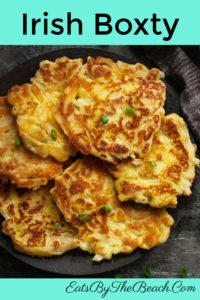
<point x="35" y="104"/>
<point x="17" y="164"/>
<point x="166" y="172"/>
<point x="86" y="185"/>
<point x="112" y="110"/>
<point x="34" y="223"/>
<point x="86" y="196"/>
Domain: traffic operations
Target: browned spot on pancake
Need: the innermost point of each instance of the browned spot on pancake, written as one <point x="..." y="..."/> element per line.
<point x="156" y="119"/>
<point x="150" y="240"/>
<point x="100" y="71"/>
<point x="129" y="242"/>
<point x="135" y="225"/>
<point x="67" y="176"/>
<point x="85" y="148"/>
<point x="11" y="209"/>
<point x="144" y="111"/>
<point x="153" y="74"/>
<point x="103" y="143"/>
<point x="127" y="188"/>
<point x="120" y="149"/>
<point x="174" y="172"/>
<point x="118" y="232"/>
<point x="171" y="129"/>
<point x="149" y="134"/>
<point x="24" y="205"/>
<point x="4" y="192"/>
<point x="61" y="191"/>
<point x="180" y="151"/>
<point x="36" y="209"/>
<point x="56" y="244"/>
<point x="78" y="186"/>
<point x="146" y="148"/>
<point x="164" y="188"/>
<point x="159" y="157"/>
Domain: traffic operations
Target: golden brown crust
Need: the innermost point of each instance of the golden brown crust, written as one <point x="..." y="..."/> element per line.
<point x="167" y="171"/>
<point x="30" y="217"/>
<point x="56" y="74"/>
<point x="124" y="230"/>
<point x="85" y="188"/>
<point x="84" y="180"/>
<point x="102" y="87"/>
<point x="22" y="167"/>
<point x="35" y="104"/>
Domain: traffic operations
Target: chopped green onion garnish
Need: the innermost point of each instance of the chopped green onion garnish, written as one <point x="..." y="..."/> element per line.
<point x="153" y="163"/>
<point x="83" y="217"/>
<point x="18" y="142"/>
<point x="137" y="205"/>
<point x="130" y="110"/>
<point x="151" y="208"/>
<point x="104" y="119"/>
<point x="118" y="276"/>
<point x="107" y="209"/>
<point x="78" y="107"/>
<point x="57" y="226"/>
<point x="147" y="272"/>
<point x="53" y="134"/>
<point x="184" y="272"/>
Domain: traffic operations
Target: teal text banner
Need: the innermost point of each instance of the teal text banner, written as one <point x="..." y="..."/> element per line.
<point x="90" y="289"/>
<point x="105" y="22"/>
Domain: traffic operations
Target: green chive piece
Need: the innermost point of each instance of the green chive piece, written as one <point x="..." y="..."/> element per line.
<point x="104" y="119"/>
<point x="7" y="264"/>
<point x="147" y="272"/>
<point x="53" y="134"/>
<point x="118" y="276"/>
<point x="107" y="209"/>
<point x="18" y="142"/>
<point x="151" y="208"/>
<point x="57" y="226"/>
<point x="137" y="205"/>
<point x="83" y="217"/>
<point x="76" y="106"/>
<point x="153" y="163"/>
<point x="184" y="272"/>
<point x="130" y="110"/>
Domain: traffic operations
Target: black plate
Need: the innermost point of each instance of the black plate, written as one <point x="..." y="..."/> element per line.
<point x="77" y="262"/>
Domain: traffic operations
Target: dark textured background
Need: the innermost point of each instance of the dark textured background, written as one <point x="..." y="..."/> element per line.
<point x="182" y="248"/>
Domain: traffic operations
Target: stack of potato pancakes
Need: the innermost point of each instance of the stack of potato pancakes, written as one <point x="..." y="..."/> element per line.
<point x="128" y="160"/>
